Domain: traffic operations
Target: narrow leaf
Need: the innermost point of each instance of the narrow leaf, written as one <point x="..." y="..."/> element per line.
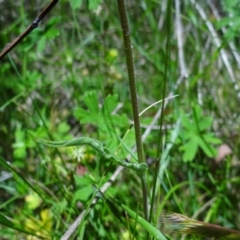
<point x="146" y="225"/>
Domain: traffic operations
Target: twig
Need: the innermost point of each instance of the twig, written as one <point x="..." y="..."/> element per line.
<point x="29" y="29"/>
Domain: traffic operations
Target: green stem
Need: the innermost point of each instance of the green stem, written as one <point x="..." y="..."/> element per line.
<point x="133" y="90"/>
<point x="166" y="69"/>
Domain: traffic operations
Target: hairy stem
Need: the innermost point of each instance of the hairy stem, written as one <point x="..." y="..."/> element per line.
<point x="133" y="90"/>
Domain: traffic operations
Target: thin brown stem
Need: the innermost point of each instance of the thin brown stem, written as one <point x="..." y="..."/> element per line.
<point x="133" y="90"/>
<point x="29" y="29"/>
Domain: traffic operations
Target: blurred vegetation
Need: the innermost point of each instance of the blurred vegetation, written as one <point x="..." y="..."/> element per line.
<point x="68" y="79"/>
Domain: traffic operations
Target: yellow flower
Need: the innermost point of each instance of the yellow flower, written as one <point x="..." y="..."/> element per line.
<point x="41" y="227"/>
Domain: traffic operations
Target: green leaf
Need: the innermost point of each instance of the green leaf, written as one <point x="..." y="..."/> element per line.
<point x="204" y="123"/>
<point x="197" y="111"/>
<point x="4" y="221"/>
<point x="83" y="194"/>
<point x="188" y="124"/>
<point x="110" y="103"/>
<point x="91" y="101"/>
<point x="75" y="4"/>
<point x="91" y="115"/>
<point x="146" y="225"/>
<point x="19" y="146"/>
<point x="83" y="180"/>
<point x="63" y="127"/>
<point x="212" y="139"/>
<point x="208" y="150"/>
<point x="190" y="150"/>
<point x="93" y="4"/>
<point x="84" y="116"/>
<point x="196" y="135"/>
<point x="101" y="117"/>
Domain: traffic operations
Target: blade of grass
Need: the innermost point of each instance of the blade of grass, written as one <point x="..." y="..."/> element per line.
<point x="166" y="73"/>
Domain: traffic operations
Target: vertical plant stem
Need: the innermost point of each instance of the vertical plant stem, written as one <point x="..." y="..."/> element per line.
<point x="133" y="91"/>
<point x="166" y="70"/>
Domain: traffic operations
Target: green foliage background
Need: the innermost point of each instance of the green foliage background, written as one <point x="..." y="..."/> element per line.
<point x="68" y="79"/>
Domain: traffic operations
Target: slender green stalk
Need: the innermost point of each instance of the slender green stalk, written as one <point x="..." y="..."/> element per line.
<point x="166" y="69"/>
<point x="133" y="90"/>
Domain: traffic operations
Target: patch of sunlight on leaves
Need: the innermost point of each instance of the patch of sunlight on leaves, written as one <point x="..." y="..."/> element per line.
<point x="33" y="200"/>
<point x="42" y="227"/>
